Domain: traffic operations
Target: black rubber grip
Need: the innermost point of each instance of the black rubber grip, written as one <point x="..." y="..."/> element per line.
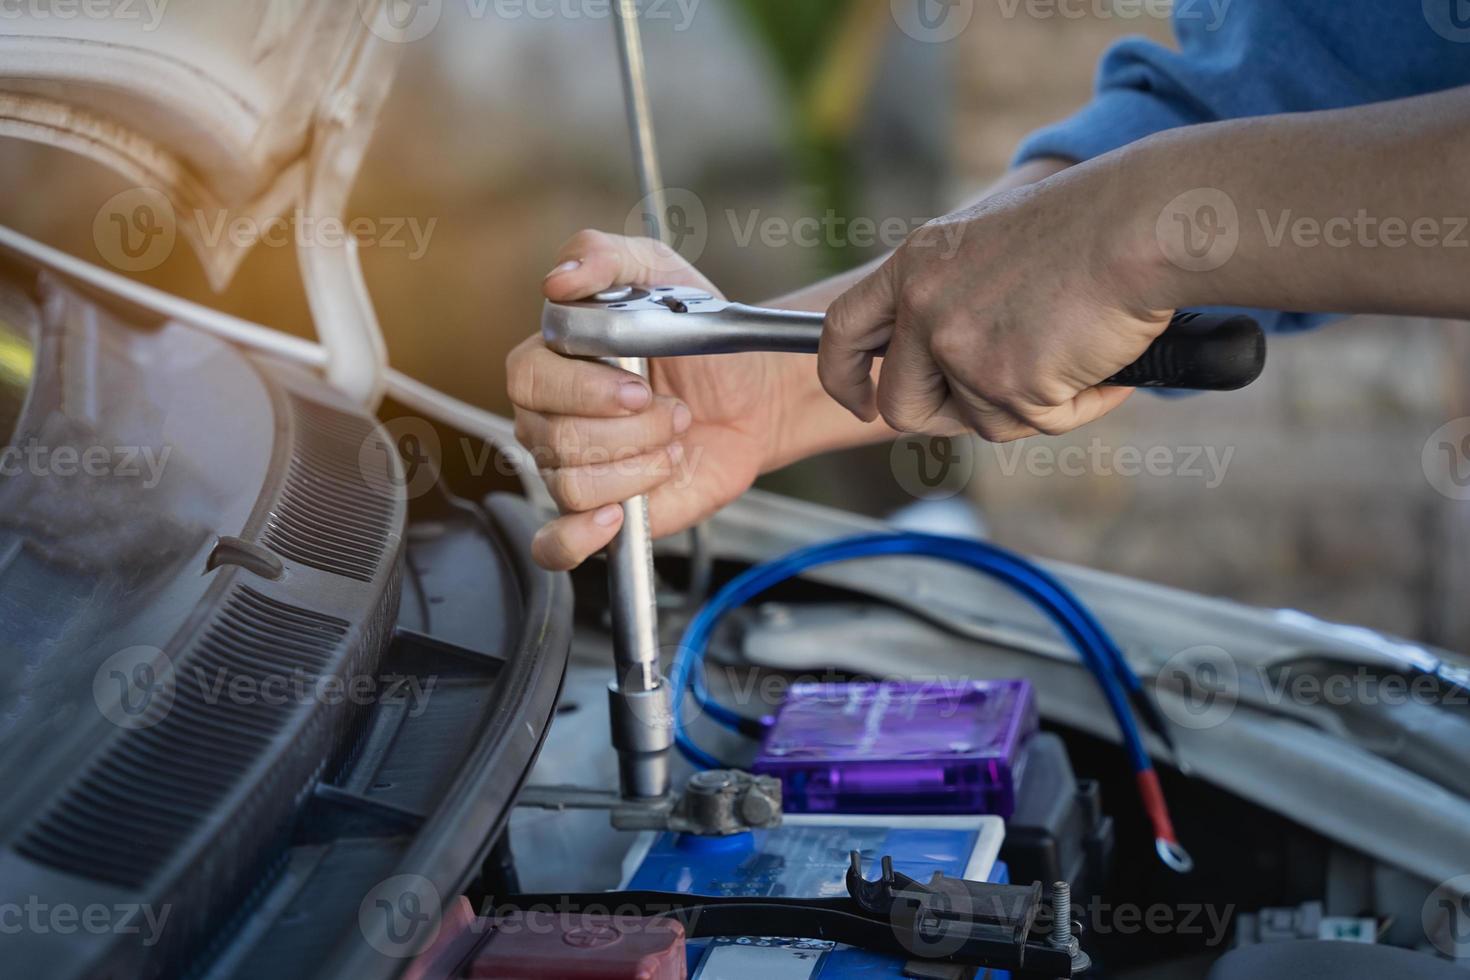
<point x="1200" y="352"/>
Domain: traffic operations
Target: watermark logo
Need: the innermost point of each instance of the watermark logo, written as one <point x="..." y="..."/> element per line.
<point x="684" y="222"/>
<point x="1363" y="230"/>
<point x="135" y="231"/>
<point x="39" y="917"/>
<point x="416" y="443"/>
<point x="1446" y="459"/>
<point x="143" y="465"/>
<point x="1450" y="19"/>
<point x="1210" y="14"/>
<point x="135" y="688"/>
<point x="148" y="14"/>
<point x="1199" y="230"/>
<point x="401" y="21"/>
<point x="400" y="916"/>
<point x="933" y="467"/>
<point x="406" y="21"/>
<point x="1045" y="460"/>
<point x="1206" y="683"/>
<point x="933" y="21"/>
<point x="1446" y="917"/>
<point x="834" y="231"/>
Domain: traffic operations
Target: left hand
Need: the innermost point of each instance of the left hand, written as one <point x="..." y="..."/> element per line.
<point x="1002" y="318"/>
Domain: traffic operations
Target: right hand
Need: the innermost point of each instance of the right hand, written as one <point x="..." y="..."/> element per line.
<point x="693" y="442"/>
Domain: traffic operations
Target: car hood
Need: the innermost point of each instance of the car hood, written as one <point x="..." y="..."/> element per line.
<point x="233" y="109"/>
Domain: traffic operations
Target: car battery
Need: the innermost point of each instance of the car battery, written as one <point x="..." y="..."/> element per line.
<point x="936" y="746"/>
<point x="807" y="857"/>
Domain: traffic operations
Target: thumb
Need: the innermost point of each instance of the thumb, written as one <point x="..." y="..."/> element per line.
<point x="859" y="325"/>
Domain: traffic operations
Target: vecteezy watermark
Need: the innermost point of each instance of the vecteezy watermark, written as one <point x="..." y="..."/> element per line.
<point x="137" y="230"/>
<point x="147" y="14"/>
<point x="1363" y="230"/>
<point x="409" y="234"/>
<point x="1450" y="19"/>
<point x="933" y="467"/>
<point x="933" y="21"/>
<point x="1446" y="459"/>
<point x="400" y="917"/>
<point x="143" y="465"/>
<point x="1446" y="917"/>
<point x="416" y="443"/>
<point x="39" y="917"/>
<point x="1205" y="685"/>
<point x="1201" y="686"/>
<point x="1098" y="918"/>
<point x="295" y="687"/>
<point x="406" y="21"/>
<point x="1044" y="459"/>
<point x="1210" y="13"/>
<point x="666" y="230"/>
<point x="1199" y="230"/>
<point x="135" y="687"/>
<point x="833" y="230"/>
<point x="420" y="456"/>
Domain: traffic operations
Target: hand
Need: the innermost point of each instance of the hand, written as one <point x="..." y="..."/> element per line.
<point x="693" y="442"/>
<point x="1002" y="318"/>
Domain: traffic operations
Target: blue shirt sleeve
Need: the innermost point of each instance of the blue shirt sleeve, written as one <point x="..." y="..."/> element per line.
<point x="1239" y="58"/>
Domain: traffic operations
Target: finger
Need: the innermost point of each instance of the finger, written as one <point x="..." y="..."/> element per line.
<point x="1088" y="406"/>
<point x="583" y="488"/>
<point x="592" y="261"/>
<point x="569" y="440"/>
<point x="912" y="390"/>
<point x="992" y="422"/>
<point x="860" y="322"/>
<point x="541" y="381"/>
<point x="566" y="542"/>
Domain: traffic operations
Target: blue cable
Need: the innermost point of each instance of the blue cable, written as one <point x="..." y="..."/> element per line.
<point x="1096" y="649"/>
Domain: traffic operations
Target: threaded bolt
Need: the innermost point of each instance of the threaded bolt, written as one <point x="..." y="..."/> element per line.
<point x="1061" y="908"/>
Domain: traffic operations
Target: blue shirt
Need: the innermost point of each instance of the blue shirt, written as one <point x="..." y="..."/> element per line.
<point x="1241" y="58"/>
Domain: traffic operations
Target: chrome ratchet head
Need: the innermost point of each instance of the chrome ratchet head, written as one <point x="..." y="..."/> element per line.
<point x="630" y="321"/>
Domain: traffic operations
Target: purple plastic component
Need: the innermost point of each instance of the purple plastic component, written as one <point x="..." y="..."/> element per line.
<point x="901" y="747"/>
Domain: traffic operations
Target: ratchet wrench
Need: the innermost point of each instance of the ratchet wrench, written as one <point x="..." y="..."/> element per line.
<point x="1199" y="352"/>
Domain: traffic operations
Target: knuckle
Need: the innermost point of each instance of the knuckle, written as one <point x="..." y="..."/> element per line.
<point x="524" y="430"/>
<point x="952" y="348"/>
<point x="566" y="437"/>
<point x="552" y="549"/>
<point x="570" y="489"/>
<point x="587" y="239"/>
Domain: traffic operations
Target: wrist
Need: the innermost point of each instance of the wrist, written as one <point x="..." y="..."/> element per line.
<point x="1154" y="248"/>
<point x="805" y="421"/>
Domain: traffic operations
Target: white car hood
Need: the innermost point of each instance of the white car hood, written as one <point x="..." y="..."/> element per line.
<point x="229" y="109"/>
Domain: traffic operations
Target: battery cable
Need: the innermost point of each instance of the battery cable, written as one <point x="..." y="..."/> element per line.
<point x="1121" y="686"/>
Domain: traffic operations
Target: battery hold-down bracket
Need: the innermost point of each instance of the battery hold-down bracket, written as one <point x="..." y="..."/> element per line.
<point x="944" y="920"/>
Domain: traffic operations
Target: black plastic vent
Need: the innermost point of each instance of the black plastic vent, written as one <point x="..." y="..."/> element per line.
<point x="126" y="817"/>
<point x="336" y="511"/>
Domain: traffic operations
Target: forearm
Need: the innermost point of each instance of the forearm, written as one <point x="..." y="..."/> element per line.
<point x="1359" y="210"/>
<point x="813" y="423"/>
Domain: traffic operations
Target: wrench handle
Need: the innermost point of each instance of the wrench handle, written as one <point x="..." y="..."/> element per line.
<point x="1200" y="352"/>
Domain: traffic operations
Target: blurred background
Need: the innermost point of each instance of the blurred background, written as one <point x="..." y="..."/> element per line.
<point x="505" y="134"/>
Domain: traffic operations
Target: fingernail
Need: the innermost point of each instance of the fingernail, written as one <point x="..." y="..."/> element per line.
<point x="683" y="418"/>
<point x="608" y="516"/>
<point x="634" y="395"/>
<point x="566" y="266"/>
<point x="676" y="452"/>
